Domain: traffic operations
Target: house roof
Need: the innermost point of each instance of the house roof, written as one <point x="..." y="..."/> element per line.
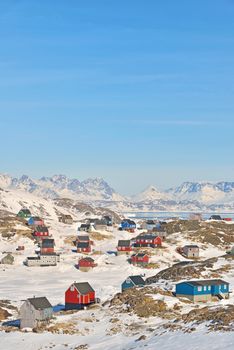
<point x="215" y="217"/>
<point x="191" y="246"/>
<point x="41" y="229"/>
<point x="83" y="288"/>
<point x="83" y="238"/>
<point x="87" y="259"/>
<point x="107" y="217"/>
<point x="82" y="244"/>
<point x="47" y="242"/>
<point x="137" y="280"/>
<point x="49" y="254"/>
<point x="150" y="222"/>
<point x="8" y="256"/>
<point x="139" y="255"/>
<point x="33" y="258"/>
<point x="130" y="222"/>
<point x="146" y="236"/>
<point x="40" y="303"/>
<point x="85" y="225"/>
<point x="67" y="216"/>
<point x="214" y="282"/>
<point x="124" y="243"/>
<point x="25" y="211"/>
<point x="36" y="218"/>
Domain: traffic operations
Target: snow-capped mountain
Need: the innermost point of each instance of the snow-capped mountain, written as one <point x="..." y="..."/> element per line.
<point x="151" y="193"/>
<point x="61" y="186"/>
<point x="187" y="196"/>
<point x="204" y="192"/>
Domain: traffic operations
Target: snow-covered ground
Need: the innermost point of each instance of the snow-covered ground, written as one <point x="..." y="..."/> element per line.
<point x="93" y="327"/>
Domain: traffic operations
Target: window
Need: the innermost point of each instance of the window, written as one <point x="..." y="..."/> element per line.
<point x="199" y="289"/>
<point x="72" y="289"/>
<point x="209" y="287"/>
<point x="224" y="286"/>
<point x="205" y="288"/>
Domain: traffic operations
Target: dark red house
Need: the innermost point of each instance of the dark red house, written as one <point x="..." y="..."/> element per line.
<point x="140" y="259"/>
<point x="41" y="231"/>
<point x="83" y="247"/>
<point x="124" y="246"/>
<point x="85" y="264"/>
<point x="148" y="240"/>
<point x="47" y="246"/>
<point x="79" y="295"/>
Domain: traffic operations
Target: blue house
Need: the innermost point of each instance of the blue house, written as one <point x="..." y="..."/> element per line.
<point x="133" y="281"/>
<point x="128" y="225"/>
<point x="203" y="290"/>
<point x="35" y="221"/>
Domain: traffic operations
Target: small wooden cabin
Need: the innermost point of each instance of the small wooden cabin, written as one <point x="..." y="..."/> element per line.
<point x="79" y="295"/>
<point x="35" y="312"/>
<point x="66" y="219"/>
<point x="124" y="246"/>
<point x="85" y="264"/>
<point x="47" y="246"/>
<point x="133" y="281"/>
<point x="35" y="221"/>
<point x="8" y="259"/>
<point x="24" y="213"/>
<point x="140" y="259"/>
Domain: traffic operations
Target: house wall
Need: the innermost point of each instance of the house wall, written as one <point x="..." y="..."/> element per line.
<point x="196" y="298"/>
<point x="85" y="268"/>
<point x="84" y="250"/>
<point x="126" y="285"/>
<point x="30" y="317"/>
<point x="34" y="262"/>
<point x="47" y="250"/>
<point x="191" y="252"/>
<point x="222" y="288"/>
<point x="184" y="288"/>
<point x="73" y="300"/>
<point x="27" y="316"/>
<point x="126" y="225"/>
<point x="48" y="260"/>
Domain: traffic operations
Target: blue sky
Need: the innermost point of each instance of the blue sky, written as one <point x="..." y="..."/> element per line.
<point x="137" y="92"/>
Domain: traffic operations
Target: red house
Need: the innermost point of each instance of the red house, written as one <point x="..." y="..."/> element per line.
<point x="83" y="238"/>
<point x="47" y="246"/>
<point x="85" y="264"/>
<point x="79" y="295"/>
<point x="140" y="259"/>
<point x="148" y="240"/>
<point x="41" y="231"/>
<point x="227" y="219"/>
<point x="124" y="246"/>
<point x="83" y="247"/>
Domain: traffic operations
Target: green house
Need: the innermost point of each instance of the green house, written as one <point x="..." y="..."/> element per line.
<point x="24" y="214"/>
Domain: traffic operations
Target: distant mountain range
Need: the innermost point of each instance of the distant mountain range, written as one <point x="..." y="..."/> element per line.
<point x="187" y="196"/>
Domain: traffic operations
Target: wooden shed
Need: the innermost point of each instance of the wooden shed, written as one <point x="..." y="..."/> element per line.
<point x="35" y="312"/>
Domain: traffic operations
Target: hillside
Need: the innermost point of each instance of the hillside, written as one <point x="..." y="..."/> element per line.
<point x="121" y="321"/>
